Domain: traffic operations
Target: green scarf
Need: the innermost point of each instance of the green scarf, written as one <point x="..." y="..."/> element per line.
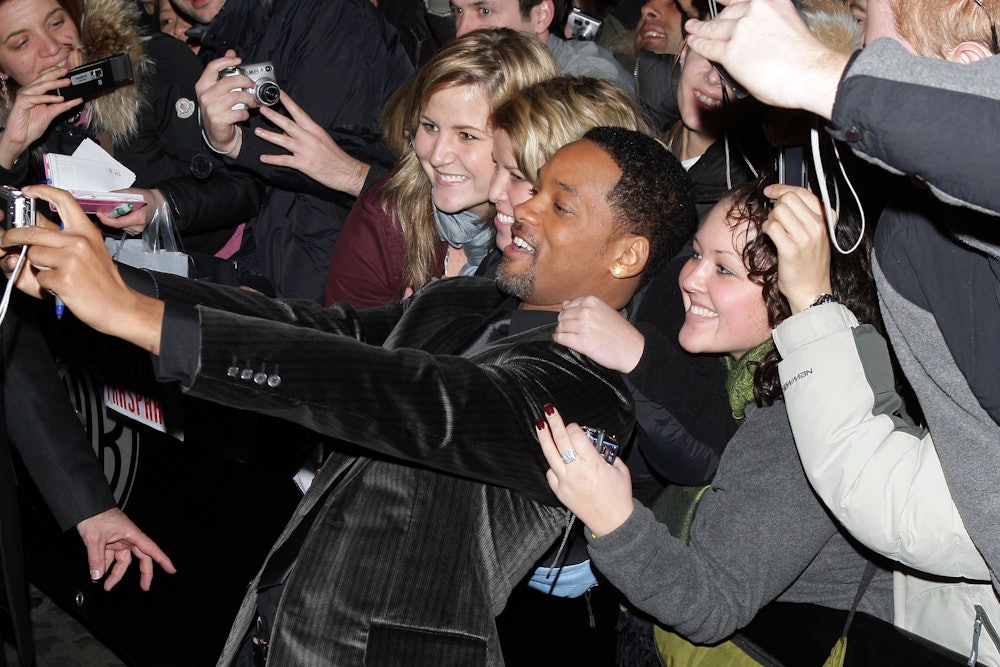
<point x="739" y="380"/>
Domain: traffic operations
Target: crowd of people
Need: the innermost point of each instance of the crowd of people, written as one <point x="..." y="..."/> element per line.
<point x="596" y="337"/>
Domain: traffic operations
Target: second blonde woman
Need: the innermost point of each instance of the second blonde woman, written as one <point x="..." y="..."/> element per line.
<point x="430" y="216"/>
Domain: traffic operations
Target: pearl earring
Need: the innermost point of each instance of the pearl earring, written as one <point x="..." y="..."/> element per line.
<point x="617" y="271"/>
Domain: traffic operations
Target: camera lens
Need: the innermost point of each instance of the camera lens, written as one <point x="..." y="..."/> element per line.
<point x="267" y="93"/>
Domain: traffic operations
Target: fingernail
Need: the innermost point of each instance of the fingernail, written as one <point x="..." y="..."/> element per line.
<point x="540" y="424"/>
<point x="550" y="409"/>
<point x="95" y="575"/>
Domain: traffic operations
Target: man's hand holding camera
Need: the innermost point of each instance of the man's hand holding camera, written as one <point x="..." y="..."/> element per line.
<point x="217" y="98"/>
<point x="74" y="264"/>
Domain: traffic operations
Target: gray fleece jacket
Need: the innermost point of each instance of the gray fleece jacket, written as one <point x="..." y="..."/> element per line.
<point x="759" y="534"/>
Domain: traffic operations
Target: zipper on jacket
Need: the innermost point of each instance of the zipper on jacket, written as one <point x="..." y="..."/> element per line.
<point x="982" y="621"/>
<point x="562" y="545"/>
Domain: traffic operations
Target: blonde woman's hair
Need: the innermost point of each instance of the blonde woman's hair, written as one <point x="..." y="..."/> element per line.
<point x="935" y="28"/>
<point x="546" y="116"/>
<point x="497" y="62"/>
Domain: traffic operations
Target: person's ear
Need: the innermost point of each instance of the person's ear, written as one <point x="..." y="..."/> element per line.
<point x="968" y="53"/>
<point x="631" y="257"/>
<point x="541" y="16"/>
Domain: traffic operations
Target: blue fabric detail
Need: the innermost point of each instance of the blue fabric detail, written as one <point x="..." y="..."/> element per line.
<point x="568" y="581"/>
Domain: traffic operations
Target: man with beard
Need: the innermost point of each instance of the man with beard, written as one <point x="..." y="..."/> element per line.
<point x="409" y="540"/>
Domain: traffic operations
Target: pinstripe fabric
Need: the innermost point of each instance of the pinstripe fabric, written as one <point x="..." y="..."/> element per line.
<point x="405" y="565"/>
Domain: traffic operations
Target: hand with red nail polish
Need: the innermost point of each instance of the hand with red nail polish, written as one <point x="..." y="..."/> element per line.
<point x="598" y="493"/>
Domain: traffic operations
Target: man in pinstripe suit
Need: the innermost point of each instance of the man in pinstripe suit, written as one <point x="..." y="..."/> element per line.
<point x="410" y="538"/>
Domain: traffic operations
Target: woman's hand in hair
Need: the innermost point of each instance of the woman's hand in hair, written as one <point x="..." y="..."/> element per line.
<point x="799" y="233"/>
<point x="33" y="110"/>
<point x="595" y="329"/>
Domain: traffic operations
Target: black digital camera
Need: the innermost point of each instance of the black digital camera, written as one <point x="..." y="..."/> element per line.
<point x="18" y="210"/>
<point x="583" y="26"/>
<point x="791" y="166"/>
<point x="97" y="77"/>
<point x="265" y="90"/>
<point x="606" y="445"/>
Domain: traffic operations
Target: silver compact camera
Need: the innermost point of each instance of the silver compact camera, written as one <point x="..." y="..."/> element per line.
<point x="265" y="90"/>
<point x="18" y="210"/>
<point x="583" y="26"/>
<point x="606" y="445"/>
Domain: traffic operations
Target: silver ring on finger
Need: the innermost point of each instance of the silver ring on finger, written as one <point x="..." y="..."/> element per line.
<point x="568" y="456"/>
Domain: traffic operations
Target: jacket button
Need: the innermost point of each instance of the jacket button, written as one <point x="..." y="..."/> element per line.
<point x="852" y="135"/>
<point x="246" y="374"/>
<point x="233" y="371"/>
<point x="273" y="380"/>
<point x="260" y="378"/>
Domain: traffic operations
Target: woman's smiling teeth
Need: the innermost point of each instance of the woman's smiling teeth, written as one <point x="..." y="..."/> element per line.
<point x="452" y="179"/>
<point x="701" y="311"/>
<point x="505" y="219"/>
<point x="706" y="100"/>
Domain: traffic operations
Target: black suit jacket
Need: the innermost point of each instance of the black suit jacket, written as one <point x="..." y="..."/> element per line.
<point x="404" y="564"/>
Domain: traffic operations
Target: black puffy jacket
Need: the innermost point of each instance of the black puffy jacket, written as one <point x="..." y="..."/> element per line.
<point x="152" y="128"/>
<point x="339" y="60"/>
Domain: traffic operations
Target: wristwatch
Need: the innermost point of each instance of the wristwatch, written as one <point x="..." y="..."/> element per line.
<point x="824" y="298"/>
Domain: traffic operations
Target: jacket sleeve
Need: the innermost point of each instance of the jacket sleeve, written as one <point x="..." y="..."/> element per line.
<point x="45" y="429"/>
<point x="468" y="416"/>
<point x="371" y="325"/>
<point x="366" y="269"/>
<point x="878" y="475"/>
<point x="222" y="201"/>
<point x="168" y="135"/>
<point x="168" y="145"/>
<point x="682" y="407"/>
<point x="756" y="531"/>
<point x="18" y="173"/>
<point x="926" y="117"/>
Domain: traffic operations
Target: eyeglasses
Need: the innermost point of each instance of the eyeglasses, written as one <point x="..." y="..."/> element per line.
<point x="993" y="27"/>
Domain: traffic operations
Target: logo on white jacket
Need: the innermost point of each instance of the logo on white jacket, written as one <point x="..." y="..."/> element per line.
<point x="794" y="379"/>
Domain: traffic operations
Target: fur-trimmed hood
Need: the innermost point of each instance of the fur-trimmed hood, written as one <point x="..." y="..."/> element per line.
<point x="109" y="27"/>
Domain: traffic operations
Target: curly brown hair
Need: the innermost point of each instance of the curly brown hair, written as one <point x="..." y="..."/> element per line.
<point x="850" y="275"/>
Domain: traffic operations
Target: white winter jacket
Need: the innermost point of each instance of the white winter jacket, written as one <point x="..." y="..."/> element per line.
<point x="881" y="476"/>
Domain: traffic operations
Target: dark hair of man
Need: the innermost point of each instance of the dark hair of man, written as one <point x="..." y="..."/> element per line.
<point x="850" y="275"/>
<point x="653" y="198"/>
